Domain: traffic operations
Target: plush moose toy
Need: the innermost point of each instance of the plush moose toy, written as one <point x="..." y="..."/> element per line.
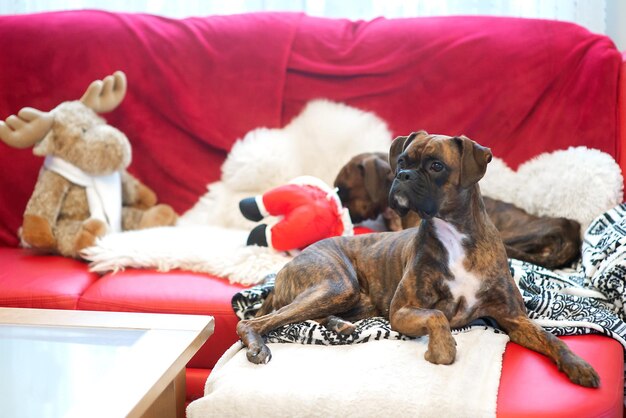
<point x="83" y="190"/>
<point x="309" y="211"/>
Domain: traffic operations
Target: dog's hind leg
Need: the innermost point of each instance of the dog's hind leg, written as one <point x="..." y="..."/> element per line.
<point x="526" y="333"/>
<point x="319" y="301"/>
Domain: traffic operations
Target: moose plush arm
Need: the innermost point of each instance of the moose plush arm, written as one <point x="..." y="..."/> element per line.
<point x="136" y="194"/>
<point x="140" y="208"/>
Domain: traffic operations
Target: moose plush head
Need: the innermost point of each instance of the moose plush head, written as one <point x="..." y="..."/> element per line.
<point x="83" y="190"/>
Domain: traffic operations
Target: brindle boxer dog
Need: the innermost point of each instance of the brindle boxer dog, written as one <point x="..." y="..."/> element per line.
<point x="364" y="183"/>
<point x="445" y="273"/>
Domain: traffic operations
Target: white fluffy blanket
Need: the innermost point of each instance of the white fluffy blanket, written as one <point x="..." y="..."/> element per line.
<point x="577" y="183"/>
<point x="318" y="142"/>
<point x="361" y="380"/>
<point x="200" y="248"/>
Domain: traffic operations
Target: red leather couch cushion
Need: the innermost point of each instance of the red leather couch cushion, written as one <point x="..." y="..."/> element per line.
<point x="29" y="280"/>
<point x="532" y="386"/>
<point x="171" y="292"/>
<point x="195" y="380"/>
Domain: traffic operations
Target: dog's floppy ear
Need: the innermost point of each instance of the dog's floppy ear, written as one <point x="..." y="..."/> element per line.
<point x="377" y="175"/>
<point x="474" y="160"/>
<point x="400" y="144"/>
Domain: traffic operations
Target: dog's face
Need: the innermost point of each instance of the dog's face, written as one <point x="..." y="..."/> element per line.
<point x="433" y="171"/>
<point x="363" y="185"/>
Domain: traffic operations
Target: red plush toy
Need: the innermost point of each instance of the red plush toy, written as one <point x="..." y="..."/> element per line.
<point x="309" y="211"/>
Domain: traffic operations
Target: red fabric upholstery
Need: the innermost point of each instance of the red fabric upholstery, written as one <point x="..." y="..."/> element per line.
<point x="531" y="385"/>
<point x="519" y="86"/>
<point x="35" y="281"/>
<point x="172" y="292"/>
<point x="196" y="85"/>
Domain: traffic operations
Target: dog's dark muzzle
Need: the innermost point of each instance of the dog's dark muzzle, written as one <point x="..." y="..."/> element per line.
<point x="410" y="191"/>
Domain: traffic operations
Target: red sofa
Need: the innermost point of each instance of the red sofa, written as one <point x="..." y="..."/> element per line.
<point x="521" y="87"/>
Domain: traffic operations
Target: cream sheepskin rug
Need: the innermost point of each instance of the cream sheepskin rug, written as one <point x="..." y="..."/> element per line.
<point x="577" y="183"/>
<point x="201" y="248"/>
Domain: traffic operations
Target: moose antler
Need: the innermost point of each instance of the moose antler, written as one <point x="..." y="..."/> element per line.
<point x="31" y="125"/>
<point x="105" y="95"/>
<point x="27" y="128"/>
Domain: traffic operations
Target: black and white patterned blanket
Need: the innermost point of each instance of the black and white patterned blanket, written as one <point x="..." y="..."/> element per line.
<point x="587" y="298"/>
<point x="247" y="302"/>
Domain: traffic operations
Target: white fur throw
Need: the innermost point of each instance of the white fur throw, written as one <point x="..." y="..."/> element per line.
<point x="376" y="379"/>
<point x="318" y="142"/>
<point x="577" y="183"/>
<point x="206" y="249"/>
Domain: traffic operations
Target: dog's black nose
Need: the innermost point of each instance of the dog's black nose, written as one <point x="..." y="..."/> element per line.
<point x="405" y="175"/>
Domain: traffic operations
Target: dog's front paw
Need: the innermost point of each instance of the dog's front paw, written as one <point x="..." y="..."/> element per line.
<point x="441" y="350"/>
<point x="580" y="372"/>
<point x="259" y="354"/>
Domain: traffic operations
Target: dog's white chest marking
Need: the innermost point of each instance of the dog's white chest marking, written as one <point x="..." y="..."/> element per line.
<point x="465" y="283"/>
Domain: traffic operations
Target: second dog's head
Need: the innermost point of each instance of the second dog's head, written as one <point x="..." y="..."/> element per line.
<point x="434" y="172"/>
<point x="364" y="184"/>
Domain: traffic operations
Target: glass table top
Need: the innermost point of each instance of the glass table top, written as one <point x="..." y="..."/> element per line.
<point x="51" y="368"/>
<point x="70" y="363"/>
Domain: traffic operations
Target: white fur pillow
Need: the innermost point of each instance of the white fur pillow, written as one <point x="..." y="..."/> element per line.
<point x="578" y="183"/>
<point x="317" y="142"/>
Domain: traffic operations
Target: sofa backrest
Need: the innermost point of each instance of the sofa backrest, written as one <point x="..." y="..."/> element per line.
<point x="519" y="86"/>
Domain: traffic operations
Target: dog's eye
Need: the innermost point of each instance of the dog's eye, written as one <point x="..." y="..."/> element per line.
<point x="361" y="168"/>
<point x="401" y="162"/>
<point x="436" y="166"/>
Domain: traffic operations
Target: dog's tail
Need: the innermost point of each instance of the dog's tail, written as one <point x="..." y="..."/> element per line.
<point x="267" y="305"/>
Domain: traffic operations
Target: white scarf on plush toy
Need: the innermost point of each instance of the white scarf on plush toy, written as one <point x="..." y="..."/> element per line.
<point x="104" y="193"/>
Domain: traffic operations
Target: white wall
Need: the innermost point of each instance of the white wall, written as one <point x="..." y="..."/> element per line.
<point x="588" y="13"/>
<point x="616" y="22"/>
